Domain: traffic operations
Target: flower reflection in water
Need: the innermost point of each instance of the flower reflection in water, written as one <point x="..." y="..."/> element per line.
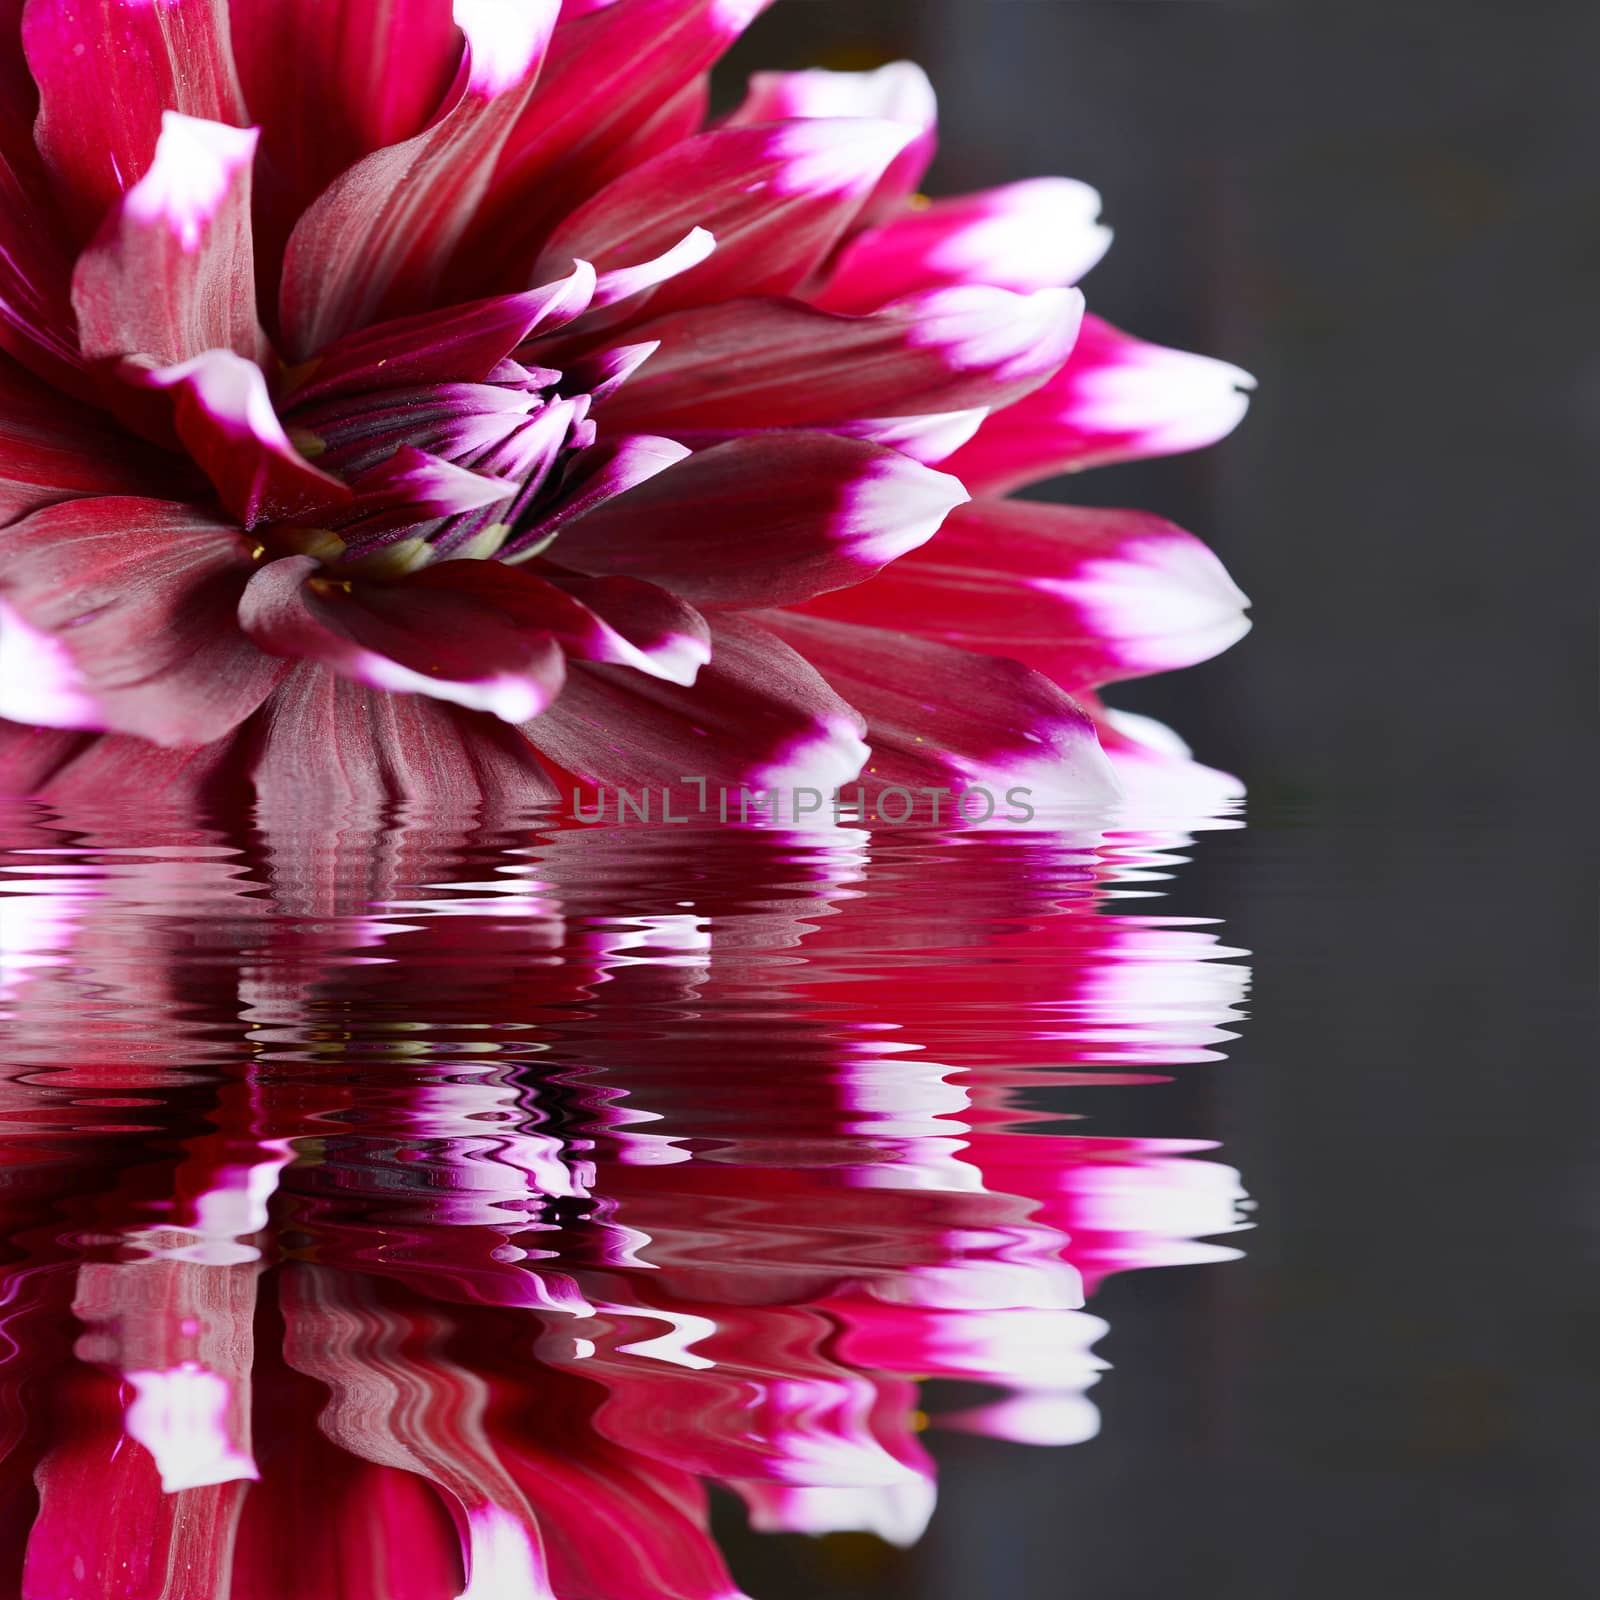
<point x="410" y="1212"/>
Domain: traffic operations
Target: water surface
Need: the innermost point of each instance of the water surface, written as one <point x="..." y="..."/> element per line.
<point x="409" y="1211"/>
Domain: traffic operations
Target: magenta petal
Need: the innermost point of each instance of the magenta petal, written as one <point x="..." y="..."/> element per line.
<point x="119" y="614"/>
<point x="224" y="416"/>
<point x="946" y="717"/>
<point x="172" y="273"/>
<point x="776" y="199"/>
<point x="106" y="71"/>
<point x="1086" y="595"/>
<point x="324" y="743"/>
<point x="766" y="521"/>
<point x="758" y="714"/>
<point x="755" y="364"/>
<point x="405" y="638"/>
<point x="1116" y="399"/>
<point x="1026" y="236"/>
<point x="900" y="92"/>
<point x="380" y="237"/>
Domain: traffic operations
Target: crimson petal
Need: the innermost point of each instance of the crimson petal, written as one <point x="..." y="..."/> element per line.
<point x="172" y="272"/>
<point x="119" y="614"/>
<point x="405" y="638"/>
<point x="1086" y="595"/>
<point x="757" y="364"/>
<point x="224" y="416"/>
<point x="764" y="521"/>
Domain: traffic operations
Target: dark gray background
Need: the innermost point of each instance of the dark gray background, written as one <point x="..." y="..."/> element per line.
<point x="1388" y="214"/>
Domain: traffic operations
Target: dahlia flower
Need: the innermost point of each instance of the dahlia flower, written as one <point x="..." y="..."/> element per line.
<point x="417" y="400"/>
<point x="444" y="1243"/>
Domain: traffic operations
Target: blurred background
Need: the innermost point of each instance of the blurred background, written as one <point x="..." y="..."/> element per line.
<point x="1386" y="213"/>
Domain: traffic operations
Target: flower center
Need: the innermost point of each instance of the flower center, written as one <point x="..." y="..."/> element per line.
<point x="441" y="471"/>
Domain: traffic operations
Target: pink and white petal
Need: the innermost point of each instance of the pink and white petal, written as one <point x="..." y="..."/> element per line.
<point x="378" y="240"/>
<point x="766" y="521"/>
<point x="899" y="91"/>
<point x="1085" y="595"/>
<point x="323" y="744"/>
<point x="1160" y="778"/>
<point x="107" y="70"/>
<point x="405" y="638"/>
<point x="224" y="416"/>
<point x="601" y="107"/>
<point x="755" y="364"/>
<point x="621" y="284"/>
<point x="758" y="715"/>
<point x="53" y="449"/>
<point x="948" y="717"/>
<point x="330" y="89"/>
<point x="172" y="272"/>
<point x="119" y="614"/>
<point x="1038" y="234"/>
<point x="462" y="344"/>
<point x="1116" y="399"/>
<point x="619" y="620"/>
<point x="776" y="199"/>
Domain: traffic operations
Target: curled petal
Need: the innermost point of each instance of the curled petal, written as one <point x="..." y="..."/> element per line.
<point x="1116" y="399"/>
<point x="172" y="272"/>
<point x="1086" y="595"/>
<point x="1034" y="235"/>
<point x="118" y="614"/>
<point x="405" y="638"/>
<point x="766" y="521"/>
<point x="225" y="418"/>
